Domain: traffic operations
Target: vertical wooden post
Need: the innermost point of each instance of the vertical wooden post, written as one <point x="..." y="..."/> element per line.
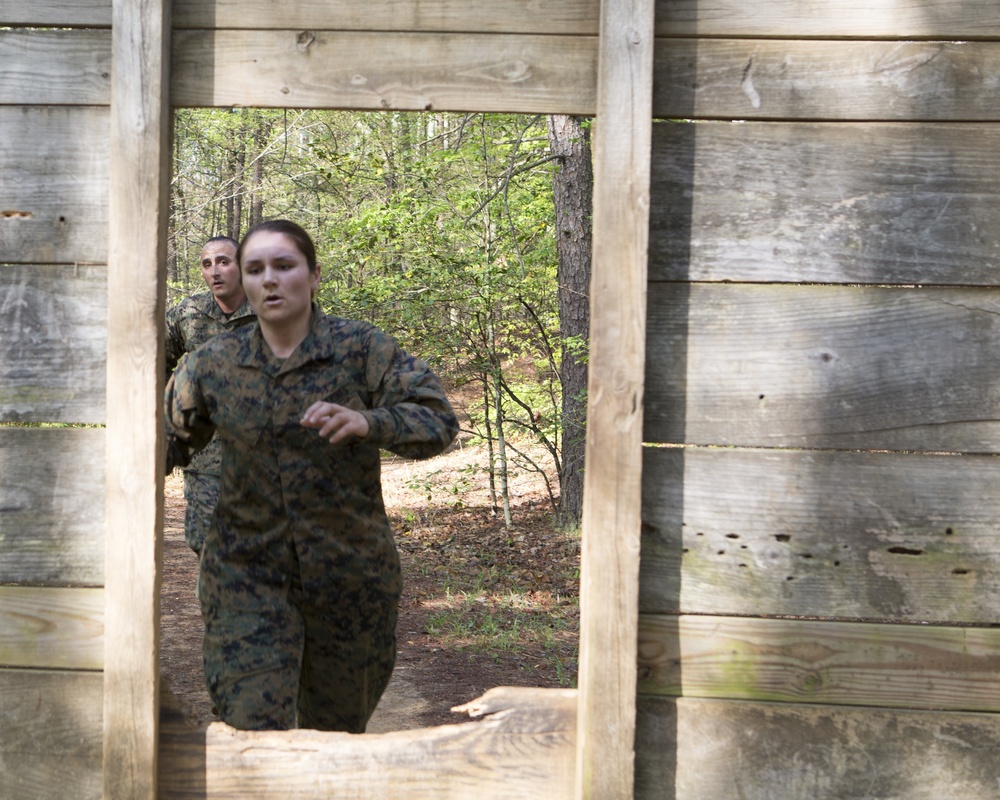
<point x="140" y="133"/>
<point x="609" y="587"/>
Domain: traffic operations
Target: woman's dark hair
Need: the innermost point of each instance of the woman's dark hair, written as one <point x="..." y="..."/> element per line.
<point x="302" y="239"/>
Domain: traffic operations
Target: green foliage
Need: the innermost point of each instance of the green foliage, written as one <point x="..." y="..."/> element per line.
<point x="437" y="228"/>
<point x="435" y="483"/>
<point x="578" y="348"/>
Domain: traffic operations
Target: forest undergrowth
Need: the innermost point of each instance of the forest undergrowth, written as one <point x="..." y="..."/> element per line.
<point x="508" y="593"/>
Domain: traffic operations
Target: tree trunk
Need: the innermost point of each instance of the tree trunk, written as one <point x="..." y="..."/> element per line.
<point x="573" y="197"/>
<point x="501" y="431"/>
<point x="261" y="135"/>
<point x="234" y="197"/>
<point x="492" y="473"/>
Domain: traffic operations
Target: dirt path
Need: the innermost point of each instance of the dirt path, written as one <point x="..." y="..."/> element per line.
<point x="433" y="673"/>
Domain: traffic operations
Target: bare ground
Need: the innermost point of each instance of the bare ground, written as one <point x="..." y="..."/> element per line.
<point x="483" y="605"/>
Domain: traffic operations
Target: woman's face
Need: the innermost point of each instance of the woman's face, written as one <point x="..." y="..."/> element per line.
<point x="277" y="279"/>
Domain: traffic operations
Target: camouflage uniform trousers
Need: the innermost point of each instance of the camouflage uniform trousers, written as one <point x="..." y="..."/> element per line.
<point x="320" y="663"/>
<point x="201" y="495"/>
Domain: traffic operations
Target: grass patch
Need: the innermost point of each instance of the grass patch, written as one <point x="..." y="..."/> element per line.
<point x="534" y="628"/>
<point x="511" y="595"/>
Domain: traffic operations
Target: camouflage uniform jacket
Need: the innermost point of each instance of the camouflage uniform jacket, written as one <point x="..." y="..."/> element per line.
<point x="191" y="323"/>
<point x="290" y="501"/>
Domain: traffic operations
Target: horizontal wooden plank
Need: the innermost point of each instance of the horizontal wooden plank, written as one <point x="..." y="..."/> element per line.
<point x="524" y="746"/>
<point x="819" y="533"/>
<point x="421" y="72"/>
<point x="51" y="628"/>
<point x="56" y="13"/>
<point x="937" y="19"/>
<point x="940" y="19"/>
<point x="55" y="67"/>
<point x="722" y="750"/>
<point x="51" y="509"/>
<point x="54" y="174"/>
<point x="808" y="661"/>
<point x="475" y="16"/>
<point x="823" y="366"/>
<point x="50" y="735"/>
<point x="53" y="341"/>
<point x="47" y="236"/>
<point x="832" y="203"/>
<point x="832" y="80"/>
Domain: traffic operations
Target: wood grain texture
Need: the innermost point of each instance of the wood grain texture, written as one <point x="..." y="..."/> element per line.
<point x="612" y="478"/>
<point x="138" y="213"/>
<point x="934" y="19"/>
<point x="378" y="71"/>
<point x="54" y="174"/>
<point x="55" y="67"/>
<point x="824" y="366"/>
<point x="522" y="746"/>
<point x="942" y="19"/>
<point x="833" y="80"/>
<point x="51" y="517"/>
<point x="833" y="203"/>
<point x="807" y="661"/>
<point x="827" y="534"/>
<point x="51" y="627"/>
<point x="53" y="339"/>
<point x="56" y="13"/>
<point x="720" y="750"/>
<point x="478" y="16"/>
<point x="50" y="744"/>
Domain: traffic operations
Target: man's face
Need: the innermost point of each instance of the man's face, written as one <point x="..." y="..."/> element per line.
<point x="222" y="275"/>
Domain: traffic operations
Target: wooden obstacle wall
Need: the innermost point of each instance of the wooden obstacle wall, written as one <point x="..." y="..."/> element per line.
<point x="85" y="93"/>
<point x="814" y="608"/>
<point x="54" y="162"/>
<point x="819" y="552"/>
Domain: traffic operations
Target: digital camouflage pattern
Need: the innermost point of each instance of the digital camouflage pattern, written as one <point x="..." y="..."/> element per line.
<point x="201" y="496"/>
<point x="300" y="574"/>
<point x="191" y="323"/>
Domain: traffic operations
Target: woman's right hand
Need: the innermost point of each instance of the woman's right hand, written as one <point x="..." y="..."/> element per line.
<point x="335" y="423"/>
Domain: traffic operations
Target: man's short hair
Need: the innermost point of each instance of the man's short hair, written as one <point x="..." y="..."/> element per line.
<point x="229" y="239"/>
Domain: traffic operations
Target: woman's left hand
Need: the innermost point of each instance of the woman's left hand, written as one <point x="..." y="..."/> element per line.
<point x="335" y="423"/>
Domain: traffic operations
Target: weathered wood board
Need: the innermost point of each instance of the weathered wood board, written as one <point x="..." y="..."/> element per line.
<point x="138" y="216"/>
<point x="817" y="533"/>
<point x="56" y="13"/>
<point x="824" y="19"/>
<point x="841" y="80"/>
<point x="823" y="367"/>
<point x="51" y="741"/>
<point x="612" y="491"/>
<point x="55" y="67"/>
<point x="963" y="19"/>
<point x="692" y="749"/>
<point x="808" y="661"/>
<point x="46" y="627"/>
<point x="53" y="338"/>
<point x="524" y="746"/>
<point x="832" y="203"/>
<point x="54" y="174"/>
<point x="376" y="71"/>
<point x="957" y="19"/>
<point x="51" y="514"/>
<point x="483" y="16"/>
